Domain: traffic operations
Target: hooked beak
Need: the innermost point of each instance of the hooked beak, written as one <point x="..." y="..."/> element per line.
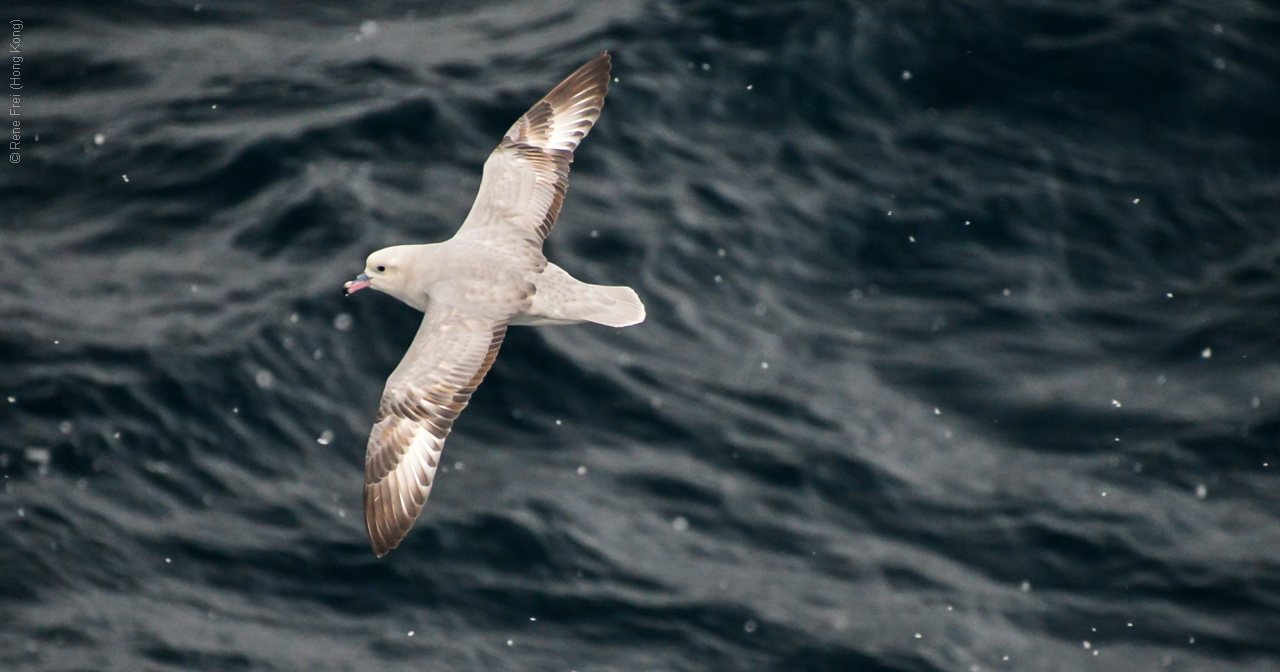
<point x="356" y="285"/>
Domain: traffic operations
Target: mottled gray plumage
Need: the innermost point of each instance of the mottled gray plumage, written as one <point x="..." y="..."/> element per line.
<point x="492" y="273"/>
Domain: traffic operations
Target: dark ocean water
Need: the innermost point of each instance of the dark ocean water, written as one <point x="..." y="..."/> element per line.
<point x="962" y="348"/>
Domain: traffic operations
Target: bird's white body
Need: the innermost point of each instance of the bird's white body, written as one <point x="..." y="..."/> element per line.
<point x="473" y="273"/>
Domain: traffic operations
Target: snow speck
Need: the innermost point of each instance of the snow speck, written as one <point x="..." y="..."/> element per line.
<point x="1025" y="587"/>
<point x="749" y="627"/>
<point x="906" y="75"/>
<point x="37" y="455"/>
<point x="126" y="177"/>
<point x="582" y="470"/>
<point x="680" y="524"/>
<point x="264" y="379"/>
<point x="410" y="633"/>
<point x="325" y="437"/>
<point x="343" y="321"/>
<point x="1115" y="402"/>
<point x="369" y="28"/>
<point x="1202" y="491"/>
<point x="1206" y="353"/>
<point x="764" y="365"/>
<point x="99" y="139"/>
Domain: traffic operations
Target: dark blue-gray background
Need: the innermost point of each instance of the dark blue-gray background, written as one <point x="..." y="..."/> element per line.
<point x="961" y="350"/>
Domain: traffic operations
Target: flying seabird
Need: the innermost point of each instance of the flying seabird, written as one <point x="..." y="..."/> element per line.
<point x="490" y="275"/>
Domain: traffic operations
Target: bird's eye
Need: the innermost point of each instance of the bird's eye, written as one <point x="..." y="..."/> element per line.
<point x="382" y="269"/>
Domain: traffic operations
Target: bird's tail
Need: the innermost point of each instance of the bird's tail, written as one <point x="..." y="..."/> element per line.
<point x="562" y="299"/>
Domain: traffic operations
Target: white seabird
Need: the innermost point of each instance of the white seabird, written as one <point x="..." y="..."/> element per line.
<point x="491" y="274"/>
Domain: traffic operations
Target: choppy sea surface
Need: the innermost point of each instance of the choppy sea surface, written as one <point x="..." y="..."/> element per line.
<point x="962" y="345"/>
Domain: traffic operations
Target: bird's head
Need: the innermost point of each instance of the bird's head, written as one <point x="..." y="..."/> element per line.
<point x="385" y="271"/>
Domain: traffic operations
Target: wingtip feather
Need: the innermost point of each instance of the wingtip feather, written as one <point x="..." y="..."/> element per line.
<point x="562" y="119"/>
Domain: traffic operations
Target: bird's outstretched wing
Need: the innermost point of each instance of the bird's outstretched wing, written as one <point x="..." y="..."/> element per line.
<point x="525" y="178"/>
<point x="433" y="383"/>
